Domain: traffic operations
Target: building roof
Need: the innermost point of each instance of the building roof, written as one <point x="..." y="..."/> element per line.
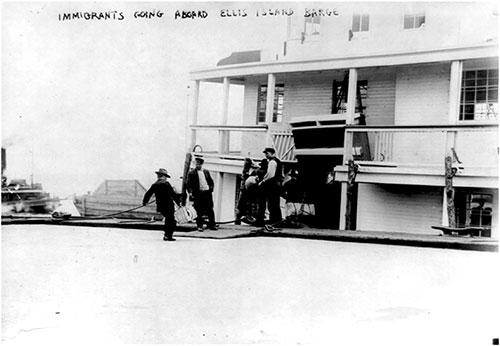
<point x="240" y="58"/>
<point x="216" y="74"/>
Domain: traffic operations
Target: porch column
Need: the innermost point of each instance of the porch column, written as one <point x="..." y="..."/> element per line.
<point x="455" y="89"/>
<point x="351" y="96"/>
<point x="444" y="220"/>
<point x="194" y="113"/>
<point x="343" y="204"/>
<point x="456" y="69"/>
<point x="223" y="148"/>
<point x="219" y="188"/>
<point x="346" y="196"/>
<point x="224" y="134"/>
<point x="271" y="83"/>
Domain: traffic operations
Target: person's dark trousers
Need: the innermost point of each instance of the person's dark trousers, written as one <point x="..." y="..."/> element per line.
<point x="262" y="204"/>
<point x="170" y="224"/>
<point x="273" y="203"/>
<point x="242" y="207"/>
<point x="204" y="205"/>
<point x="269" y="195"/>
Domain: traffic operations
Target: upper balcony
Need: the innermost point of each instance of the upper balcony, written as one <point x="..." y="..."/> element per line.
<point x="224" y="147"/>
<point x="416" y="154"/>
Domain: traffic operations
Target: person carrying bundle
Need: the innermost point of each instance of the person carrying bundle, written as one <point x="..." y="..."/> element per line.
<point x="166" y="198"/>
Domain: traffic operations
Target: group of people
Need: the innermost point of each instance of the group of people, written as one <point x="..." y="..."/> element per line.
<point x="261" y="190"/>
<point x="200" y="186"/>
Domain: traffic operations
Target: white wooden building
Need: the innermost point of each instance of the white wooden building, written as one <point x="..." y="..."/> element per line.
<point x="423" y="77"/>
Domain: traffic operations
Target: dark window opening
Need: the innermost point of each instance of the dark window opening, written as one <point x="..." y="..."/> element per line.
<point x="279" y="94"/>
<point x="474" y="210"/>
<point x="339" y="99"/>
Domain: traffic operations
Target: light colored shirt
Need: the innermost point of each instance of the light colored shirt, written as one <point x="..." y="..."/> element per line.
<point x="251" y="181"/>
<point x="271" y="170"/>
<point x="203" y="181"/>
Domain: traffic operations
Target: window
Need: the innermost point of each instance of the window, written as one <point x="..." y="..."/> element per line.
<point x="479" y="95"/>
<point x="312" y="25"/>
<point x="473" y="209"/>
<point x="414" y="21"/>
<point x="279" y="93"/>
<point x="339" y="99"/>
<point x="360" y="22"/>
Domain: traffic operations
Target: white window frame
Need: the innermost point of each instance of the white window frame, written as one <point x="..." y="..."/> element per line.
<point x="312" y="26"/>
<point x="414" y="16"/>
<point x="488" y="88"/>
<point x="363" y="17"/>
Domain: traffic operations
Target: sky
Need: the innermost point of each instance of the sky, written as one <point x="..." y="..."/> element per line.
<point x="89" y="100"/>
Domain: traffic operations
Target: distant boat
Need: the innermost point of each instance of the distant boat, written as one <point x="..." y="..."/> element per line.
<point x="20" y="197"/>
<point x="116" y="198"/>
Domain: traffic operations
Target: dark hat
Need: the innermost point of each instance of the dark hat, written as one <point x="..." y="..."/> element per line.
<point x="163" y="171"/>
<point x="199" y="159"/>
<point x="269" y="150"/>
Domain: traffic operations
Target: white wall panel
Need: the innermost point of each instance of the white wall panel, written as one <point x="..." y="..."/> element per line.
<point x="398" y="208"/>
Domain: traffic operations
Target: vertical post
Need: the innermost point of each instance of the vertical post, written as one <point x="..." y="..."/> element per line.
<point x="444" y="218"/>
<point x="271" y="84"/>
<point x="351" y="96"/>
<point x="194" y="114"/>
<point x="343" y="205"/>
<point x="348" y="201"/>
<point x="449" y="194"/>
<point x="450" y="191"/>
<point x="455" y="89"/>
<point x="225" y="101"/>
<point x="348" y="140"/>
<point x="219" y="188"/>
<point x="224" y="134"/>
<point x="351" y="196"/>
<point x="223" y="147"/>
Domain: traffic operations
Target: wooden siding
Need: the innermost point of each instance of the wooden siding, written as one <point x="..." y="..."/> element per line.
<point x="398" y="208"/>
<point x="380" y="100"/>
<point x="312" y="95"/>
<point x="307" y="97"/>
<point x="422" y="95"/>
<point x="251" y="143"/>
<point x="421" y="99"/>
<point x="477" y="149"/>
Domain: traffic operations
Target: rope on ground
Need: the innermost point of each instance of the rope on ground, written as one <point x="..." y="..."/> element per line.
<point x="56" y="216"/>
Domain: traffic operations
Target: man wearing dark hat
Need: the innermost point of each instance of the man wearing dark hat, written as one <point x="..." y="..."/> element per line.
<point x="200" y="186"/>
<point x="165" y="199"/>
<point x="270" y="188"/>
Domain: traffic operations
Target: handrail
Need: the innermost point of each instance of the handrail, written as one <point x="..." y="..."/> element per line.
<point x="225" y="156"/>
<point x="254" y="128"/>
<point x="402" y="128"/>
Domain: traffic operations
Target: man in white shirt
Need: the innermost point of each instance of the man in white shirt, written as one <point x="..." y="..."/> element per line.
<point x="270" y="188"/>
<point x="200" y="186"/>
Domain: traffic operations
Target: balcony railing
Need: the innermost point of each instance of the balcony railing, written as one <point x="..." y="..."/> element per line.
<point x="476" y="146"/>
<point x="284" y="145"/>
<point x="236" y="141"/>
